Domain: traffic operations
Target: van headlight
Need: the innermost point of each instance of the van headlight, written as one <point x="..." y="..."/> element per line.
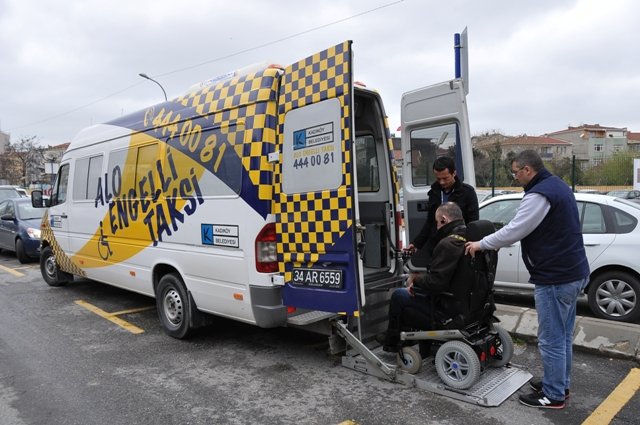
<point x="33" y="233"/>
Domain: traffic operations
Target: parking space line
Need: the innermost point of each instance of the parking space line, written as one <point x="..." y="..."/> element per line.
<point x="112" y="317"/>
<point x="610" y="407"/>
<point x="11" y="271"/>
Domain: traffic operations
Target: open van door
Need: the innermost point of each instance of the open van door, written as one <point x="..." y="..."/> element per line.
<point x="315" y="201"/>
<point x="434" y="122"/>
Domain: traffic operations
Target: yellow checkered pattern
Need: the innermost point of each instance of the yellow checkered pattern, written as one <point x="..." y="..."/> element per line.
<point x="245" y="110"/>
<point x="64" y="263"/>
<point x="308" y="223"/>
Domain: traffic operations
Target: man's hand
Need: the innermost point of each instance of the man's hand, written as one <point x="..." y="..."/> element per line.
<point x="471" y="248"/>
<point x="411" y="248"/>
<point x="409" y="284"/>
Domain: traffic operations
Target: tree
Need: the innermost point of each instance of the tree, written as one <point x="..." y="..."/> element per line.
<point x="616" y="170"/>
<point x="24" y="158"/>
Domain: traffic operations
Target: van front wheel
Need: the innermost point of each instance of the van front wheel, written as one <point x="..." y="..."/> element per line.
<point x="174" y="309"/>
<point x="49" y="268"/>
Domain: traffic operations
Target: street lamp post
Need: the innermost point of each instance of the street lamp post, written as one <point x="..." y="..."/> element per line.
<point x="145" y="76"/>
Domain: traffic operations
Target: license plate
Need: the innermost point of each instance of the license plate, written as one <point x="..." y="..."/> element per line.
<point x="329" y="279"/>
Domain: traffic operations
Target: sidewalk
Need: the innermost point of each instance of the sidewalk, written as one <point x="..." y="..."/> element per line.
<point x="603" y="336"/>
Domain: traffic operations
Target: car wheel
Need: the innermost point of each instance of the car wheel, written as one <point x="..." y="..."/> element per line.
<point x="174" y="308"/>
<point x="49" y="269"/>
<point x="22" y="256"/>
<point x="615" y="296"/>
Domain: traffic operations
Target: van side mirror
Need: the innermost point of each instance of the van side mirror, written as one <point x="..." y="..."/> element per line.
<point x="37" y="201"/>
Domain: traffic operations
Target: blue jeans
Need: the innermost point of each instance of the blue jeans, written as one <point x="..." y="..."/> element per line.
<point x="556" y="307"/>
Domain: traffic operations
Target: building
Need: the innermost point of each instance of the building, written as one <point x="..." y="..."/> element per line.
<point x="548" y="147"/>
<point x="593" y="143"/>
<point x="633" y="142"/>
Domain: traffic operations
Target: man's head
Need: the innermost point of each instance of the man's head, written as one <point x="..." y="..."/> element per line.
<point x="446" y="213"/>
<point x="445" y="171"/>
<point x="525" y="166"/>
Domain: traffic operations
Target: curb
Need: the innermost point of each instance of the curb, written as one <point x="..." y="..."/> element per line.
<point x="616" y="339"/>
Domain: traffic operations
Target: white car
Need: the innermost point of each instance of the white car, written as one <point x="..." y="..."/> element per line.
<point x="611" y="236"/>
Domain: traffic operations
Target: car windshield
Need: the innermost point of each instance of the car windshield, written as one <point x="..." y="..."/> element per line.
<point x="27" y="212"/>
<point x="8" y="193"/>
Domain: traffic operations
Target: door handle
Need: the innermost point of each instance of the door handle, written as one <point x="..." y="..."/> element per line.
<point x="63" y="215"/>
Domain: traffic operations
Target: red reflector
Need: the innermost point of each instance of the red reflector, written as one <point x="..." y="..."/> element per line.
<point x="290" y="309"/>
<point x="492" y="350"/>
<point x="483" y="356"/>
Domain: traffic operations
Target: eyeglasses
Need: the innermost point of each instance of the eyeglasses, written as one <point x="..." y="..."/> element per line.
<point x="515" y="173"/>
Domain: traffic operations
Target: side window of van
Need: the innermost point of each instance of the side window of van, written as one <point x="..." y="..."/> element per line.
<point x="86" y="174"/>
<point x="59" y="195"/>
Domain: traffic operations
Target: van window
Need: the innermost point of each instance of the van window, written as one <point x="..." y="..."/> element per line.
<point x="367" y="164"/>
<point x="120" y="178"/>
<point x="427" y="144"/>
<point x="145" y="163"/>
<point x="59" y="195"/>
<point x="86" y="174"/>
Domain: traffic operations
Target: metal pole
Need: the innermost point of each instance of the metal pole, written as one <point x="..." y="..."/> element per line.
<point x="143" y="75"/>
<point x="456" y="47"/>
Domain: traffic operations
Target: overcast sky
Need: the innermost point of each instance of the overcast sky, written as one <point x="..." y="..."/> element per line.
<point x="535" y="67"/>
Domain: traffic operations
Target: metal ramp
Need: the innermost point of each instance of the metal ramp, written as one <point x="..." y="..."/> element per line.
<point x="494" y="386"/>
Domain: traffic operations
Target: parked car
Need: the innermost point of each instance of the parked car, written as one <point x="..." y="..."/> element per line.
<point x="20" y="228"/>
<point x="612" y="241"/>
<point x="633" y="195"/>
<point x="484" y="194"/>
<point x="7" y="192"/>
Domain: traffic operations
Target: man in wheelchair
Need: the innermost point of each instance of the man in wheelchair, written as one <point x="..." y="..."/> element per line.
<point x="455" y="293"/>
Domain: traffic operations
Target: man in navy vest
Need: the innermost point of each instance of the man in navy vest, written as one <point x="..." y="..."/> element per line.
<point x="548" y="224"/>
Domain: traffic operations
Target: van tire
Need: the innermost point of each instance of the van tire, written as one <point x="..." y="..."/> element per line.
<point x="49" y="268"/>
<point x="174" y="308"/>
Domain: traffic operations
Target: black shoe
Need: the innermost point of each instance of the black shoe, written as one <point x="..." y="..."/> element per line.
<point x="536" y="385"/>
<point x="536" y="399"/>
<point x="389" y="343"/>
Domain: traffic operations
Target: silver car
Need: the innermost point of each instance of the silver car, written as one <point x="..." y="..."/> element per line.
<point x="612" y="241"/>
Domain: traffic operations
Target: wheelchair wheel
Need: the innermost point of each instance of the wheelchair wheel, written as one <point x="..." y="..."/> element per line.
<point x="505" y="348"/>
<point x="412" y="360"/>
<point x="457" y="365"/>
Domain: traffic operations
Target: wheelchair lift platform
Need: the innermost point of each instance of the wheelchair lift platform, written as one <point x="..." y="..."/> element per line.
<point x="494" y="386"/>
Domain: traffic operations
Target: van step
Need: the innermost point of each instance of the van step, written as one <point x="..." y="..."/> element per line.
<point x="310" y="317"/>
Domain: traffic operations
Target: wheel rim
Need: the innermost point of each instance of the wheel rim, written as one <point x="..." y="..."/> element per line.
<point x="50" y="267"/>
<point x="172" y="306"/>
<point x="456" y="365"/>
<point x="616" y="298"/>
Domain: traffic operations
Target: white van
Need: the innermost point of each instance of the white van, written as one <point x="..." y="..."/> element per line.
<point x="267" y="197"/>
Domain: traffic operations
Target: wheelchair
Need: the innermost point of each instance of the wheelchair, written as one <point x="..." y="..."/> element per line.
<point x="467" y="342"/>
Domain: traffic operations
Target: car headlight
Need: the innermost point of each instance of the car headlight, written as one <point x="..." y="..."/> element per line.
<point x="33" y="233"/>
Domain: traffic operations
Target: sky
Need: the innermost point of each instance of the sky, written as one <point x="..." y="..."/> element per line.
<point x="534" y="67"/>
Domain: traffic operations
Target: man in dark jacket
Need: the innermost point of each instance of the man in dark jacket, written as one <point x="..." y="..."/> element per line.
<point x="446" y="188"/>
<point x="449" y="269"/>
<point x="548" y="224"/>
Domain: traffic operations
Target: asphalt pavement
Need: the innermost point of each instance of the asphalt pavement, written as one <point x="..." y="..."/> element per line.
<point x="607" y="337"/>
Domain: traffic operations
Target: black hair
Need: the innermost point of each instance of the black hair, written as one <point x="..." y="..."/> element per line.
<point x="444" y="162"/>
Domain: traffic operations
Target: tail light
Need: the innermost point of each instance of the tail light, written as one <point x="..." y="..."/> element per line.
<point x="266" y="257"/>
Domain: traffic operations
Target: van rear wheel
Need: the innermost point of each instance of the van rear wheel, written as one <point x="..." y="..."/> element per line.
<point x="174" y="308"/>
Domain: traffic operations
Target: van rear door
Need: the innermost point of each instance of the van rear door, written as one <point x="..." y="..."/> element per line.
<point x="434" y="122"/>
<point x="315" y="202"/>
